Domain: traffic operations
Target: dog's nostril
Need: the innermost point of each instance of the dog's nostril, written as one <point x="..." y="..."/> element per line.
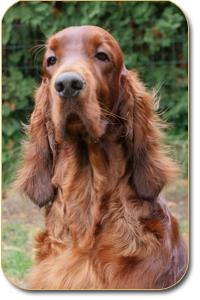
<point x="77" y="85"/>
<point x="59" y="87"/>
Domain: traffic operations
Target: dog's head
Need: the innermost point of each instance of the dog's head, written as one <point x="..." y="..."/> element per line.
<point x="88" y="92"/>
<point x="83" y="66"/>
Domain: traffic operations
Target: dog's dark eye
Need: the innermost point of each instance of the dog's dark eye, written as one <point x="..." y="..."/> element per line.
<point x="51" y="61"/>
<point x="102" y="56"/>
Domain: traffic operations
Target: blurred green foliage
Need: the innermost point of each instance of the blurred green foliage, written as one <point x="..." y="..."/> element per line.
<point x="153" y="37"/>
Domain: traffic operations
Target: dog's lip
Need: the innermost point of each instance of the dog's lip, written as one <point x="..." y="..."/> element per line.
<point x="76" y="124"/>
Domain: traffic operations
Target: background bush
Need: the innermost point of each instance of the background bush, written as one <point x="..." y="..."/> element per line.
<point x="152" y="35"/>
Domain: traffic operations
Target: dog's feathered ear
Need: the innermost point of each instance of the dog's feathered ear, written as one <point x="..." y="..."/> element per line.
<point x="35" y="177"/>
<point x="151" y="169"/>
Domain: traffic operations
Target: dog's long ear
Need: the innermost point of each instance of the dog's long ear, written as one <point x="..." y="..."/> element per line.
<point x="151" y="169"/>
<point x="35" y="177"/>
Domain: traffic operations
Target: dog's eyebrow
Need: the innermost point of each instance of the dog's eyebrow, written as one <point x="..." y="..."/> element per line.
<point x="99" y="44"/>
<point x="99" y="40"/>
<point x="53" y="43"/>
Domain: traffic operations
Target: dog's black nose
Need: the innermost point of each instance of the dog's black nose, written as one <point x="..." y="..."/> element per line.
<point x="69" y="84"/>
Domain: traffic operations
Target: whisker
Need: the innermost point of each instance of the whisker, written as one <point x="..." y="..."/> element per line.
<point x="108" y="119"/>
<point x="105" y="27"/>
<point x="110" y="114"/>
<point x="116" y="116"/>
<point x="39" y="50"/>
<point x="44" y="32"/>
<point x="43" y="41"/>
<point x="37" y="55"/>
<point x="37" y="46"/>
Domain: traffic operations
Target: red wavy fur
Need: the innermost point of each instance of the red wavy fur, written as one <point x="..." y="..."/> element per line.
<point x="97" y="162"/>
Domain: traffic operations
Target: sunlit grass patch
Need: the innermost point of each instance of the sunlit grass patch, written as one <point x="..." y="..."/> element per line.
<point x="16" y="255"/>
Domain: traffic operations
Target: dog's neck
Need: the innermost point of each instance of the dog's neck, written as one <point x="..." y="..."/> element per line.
<point x="101" y="157"/>
<point x="90" y="174"/>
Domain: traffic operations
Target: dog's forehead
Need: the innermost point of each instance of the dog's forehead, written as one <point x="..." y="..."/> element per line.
<point x="80" y="36"/>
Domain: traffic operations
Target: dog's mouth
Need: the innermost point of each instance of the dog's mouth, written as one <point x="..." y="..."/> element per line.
<point x="76" y="126"/>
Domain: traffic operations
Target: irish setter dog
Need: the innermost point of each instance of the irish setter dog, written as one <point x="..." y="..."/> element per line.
<point x="95" y="159"/>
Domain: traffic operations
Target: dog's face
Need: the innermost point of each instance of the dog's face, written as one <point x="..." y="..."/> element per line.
<point x="83" y="66"/>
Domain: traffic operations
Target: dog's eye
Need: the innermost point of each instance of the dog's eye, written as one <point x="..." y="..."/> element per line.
<point x="51" y="61"/>
<point x="102" y="56"/>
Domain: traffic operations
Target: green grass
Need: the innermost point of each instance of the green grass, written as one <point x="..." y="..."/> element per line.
<point x="16" y="254"/>
<point x="183" y="225"/>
